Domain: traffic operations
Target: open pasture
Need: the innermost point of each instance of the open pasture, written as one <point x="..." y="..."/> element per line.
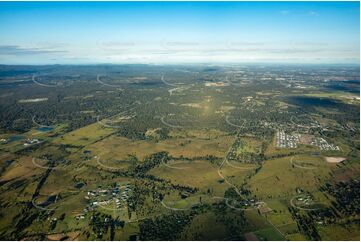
<point x="280" y="177"/>
<point x="177" y="147"/>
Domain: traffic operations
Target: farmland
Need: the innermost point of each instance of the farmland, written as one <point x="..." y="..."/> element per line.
<point x="179" y="153"/>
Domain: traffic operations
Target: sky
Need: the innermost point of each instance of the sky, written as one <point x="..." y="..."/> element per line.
<point x="179" y="32"/>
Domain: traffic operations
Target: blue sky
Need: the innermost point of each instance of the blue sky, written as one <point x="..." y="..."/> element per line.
<point x="179" y="32"/>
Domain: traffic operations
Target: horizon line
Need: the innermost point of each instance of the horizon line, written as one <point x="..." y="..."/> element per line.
<point x="184" y="63"/>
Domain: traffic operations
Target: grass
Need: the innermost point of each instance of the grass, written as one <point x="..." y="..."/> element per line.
<point x="84" y="136"/>
<point x="339" y="232"/>
<point x="197" y="133"/>
<point x="34" y="133"/>
<point x="121" y="148"/>
<point x="296" y="237"/>
<point x="290" y="228"/>
<point x="173" y="200"/>
<point x="128" y="230"/>
<point x="107" y="162"/>
<point x="53" y="184"/>
<point x="201" y="174"/>
<point x="345" y="97"/>
<point x="205" y="227"/>
<point x="21" y="168"/>
<point x="275" y="183"/>
<point x="249" y="145"/>
<point x="278" y="178"/>
<point x="280" y="214"/>
<point x="256" y="221"/>
<point x="269" y="234"/>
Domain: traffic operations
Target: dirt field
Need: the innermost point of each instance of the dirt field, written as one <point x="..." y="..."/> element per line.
<point x="334" y="159"/>
<point x="306" y="139"/>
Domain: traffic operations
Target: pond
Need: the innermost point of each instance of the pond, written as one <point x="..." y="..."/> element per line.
<point x="49" y="201"/>
<point x="79" y="185"/>
<point x="15" y="138"/>
<point x="45" y="128"/>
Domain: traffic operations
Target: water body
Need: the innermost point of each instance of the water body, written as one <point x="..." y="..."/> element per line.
<point x="79" y="185"/>
<point x="49" y="201"/>
<point x="45" y="128"/>
<point x="15" y="138"/>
